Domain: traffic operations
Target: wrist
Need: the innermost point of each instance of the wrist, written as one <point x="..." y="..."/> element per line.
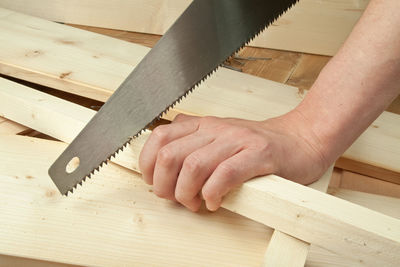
<point x="299" y="126"/>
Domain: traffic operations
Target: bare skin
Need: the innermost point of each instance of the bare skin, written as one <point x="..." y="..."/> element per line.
<point x="210" y="156"/>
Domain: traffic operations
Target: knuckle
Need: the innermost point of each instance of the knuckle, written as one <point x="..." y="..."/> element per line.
<point x="161" y="132"/>
<point x="180" y="116"/>
<point x="192" y="164"/>
<point x="165" y="157"/>
<point x="226" y="170"/>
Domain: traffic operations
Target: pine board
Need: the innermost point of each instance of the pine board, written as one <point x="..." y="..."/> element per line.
<point x="93" y="65"/>
<point x="386" y="205"/>
<point x="113" y="210"/>
<point x="113" y="220"/>
<point x="312" y="26"/>
<point x="10" y="127"/>
<point x="274" y="190"/>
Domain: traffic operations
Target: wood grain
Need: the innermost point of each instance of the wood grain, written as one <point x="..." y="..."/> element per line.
<point x="296" y="205"/>
<point x="115" y="209"/>
<point x="97" y="70"/>
<point x="113" y="220"/>
<point x="331" y="22"/>
<point x="386" y="205"/>
<point x="10" y="127"/>
<point x="277" y="251"/>
<point x="284" y="250"/>
<point x="357" y="182"/>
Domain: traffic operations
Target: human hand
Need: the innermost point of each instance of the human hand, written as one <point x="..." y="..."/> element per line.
<point x="209" y="156"/>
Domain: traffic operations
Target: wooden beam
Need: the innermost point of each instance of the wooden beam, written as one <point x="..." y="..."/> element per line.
<point x="284" y="250"/>
<point x="113" y="220"/>
<point x="287" y="251"/>
<point x="75" y="116"/>
<point x="333" y="224"/>
<point x="7" y="261"/>
<point x="306" y="213"/>
<point x="93" y="65"/>
<point x="10" y="127"/>
<point x="357" y="182"/>
<point x="330" y="25"/>
<point x="320" y="219"/>
<point x="386" y="205"/>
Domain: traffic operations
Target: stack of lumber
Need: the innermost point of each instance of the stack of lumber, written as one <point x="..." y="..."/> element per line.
<point x="312" y="26"/>
<point x="114" y="219"/>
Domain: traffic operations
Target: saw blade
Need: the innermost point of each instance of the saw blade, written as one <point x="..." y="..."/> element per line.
<point x="202" y="38"/>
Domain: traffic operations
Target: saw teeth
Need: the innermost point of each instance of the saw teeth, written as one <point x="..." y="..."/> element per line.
<point x="190" y="90"/>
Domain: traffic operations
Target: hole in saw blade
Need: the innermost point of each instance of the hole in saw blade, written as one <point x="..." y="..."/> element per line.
<point x="72" y="165"/>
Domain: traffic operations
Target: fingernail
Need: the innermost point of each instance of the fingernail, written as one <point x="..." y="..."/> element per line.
<point x="213" y="206"/>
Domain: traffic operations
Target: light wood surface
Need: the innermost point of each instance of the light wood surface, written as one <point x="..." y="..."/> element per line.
<point x="312" y="26"/>
<point x="113" y="220"/>
<point x="96" y="71"/>
<point x="299" y="81"/>
<point x="287" y="251"/>
<point x="386" y="205"/>
<point x="354" y="181"/>
<point x="7" y="261"/>
<point x="296" y="69"/>
<point x="10" y="127"/>
<point x="115" y="209"/>
<point x="307" y="213"/>
<point x="305" y="210"/>
<point x="284" y="250"/>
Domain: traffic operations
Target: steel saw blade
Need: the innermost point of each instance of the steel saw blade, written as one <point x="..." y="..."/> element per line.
<point x="202" y="38"/>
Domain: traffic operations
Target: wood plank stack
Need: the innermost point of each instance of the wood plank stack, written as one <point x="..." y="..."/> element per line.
<point x="312" y="26"/>
<point x="114" y="219"/>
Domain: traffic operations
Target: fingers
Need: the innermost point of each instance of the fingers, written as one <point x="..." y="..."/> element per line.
<point x="161" y="136"/>
<point x="169" y="162"/>
<point x="232" y="172"/>
<point x="183" y="117"/>
<point x="196" y="168"/>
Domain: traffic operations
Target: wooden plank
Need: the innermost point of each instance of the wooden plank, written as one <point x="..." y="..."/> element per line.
<point x="117" y="201"/>
<point x="305" y="209"/>
<point x="75" y="116"/>
<point x="331" y="225"/>
<point x="330" y="25"/>
<point x="48" y="105"/>
<point x="295" y="69"/>
<point x="386" y="205"/>
<point x="336" y="225"/>
<point x="96" y="70"/>
<point x="364" y="168"/>
<point x="284" y="250"/>
<point x="307" y="71"/>
<point x="10" y="127"/>
<point x="357" y="182"/>
<point x="336" y="177"/>
<point x="113" y="220"/>
<point x="7" y="261"/>
<point x="278" y="68"/>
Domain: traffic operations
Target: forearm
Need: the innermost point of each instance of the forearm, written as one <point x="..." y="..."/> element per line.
<point x="358" y="83"/>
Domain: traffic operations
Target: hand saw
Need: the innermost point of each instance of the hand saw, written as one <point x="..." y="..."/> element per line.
<point x="202" y="38"/>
